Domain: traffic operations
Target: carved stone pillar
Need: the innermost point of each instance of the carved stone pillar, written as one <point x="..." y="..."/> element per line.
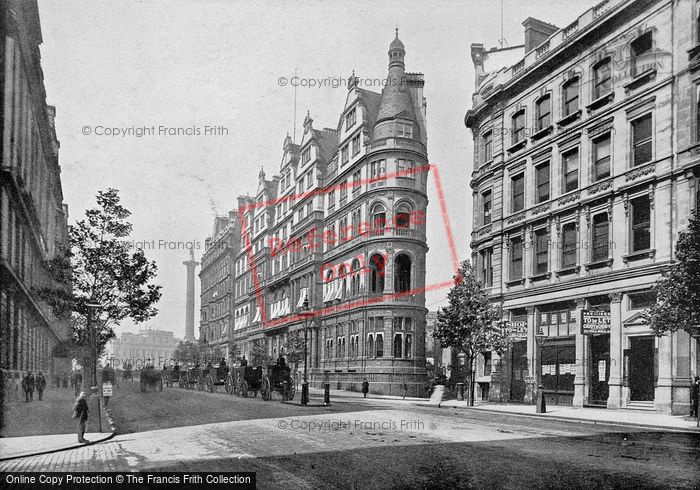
<point x="580" y="375"/>
<point x="664" y="383"/>
<point x="532" y="375"/>
<point x="615" y="398"/>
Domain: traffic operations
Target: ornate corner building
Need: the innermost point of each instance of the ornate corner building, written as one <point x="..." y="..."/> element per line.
<point x="33" y="217"/>
<point x="586" y="168"/>
<point x="341" y="230"/>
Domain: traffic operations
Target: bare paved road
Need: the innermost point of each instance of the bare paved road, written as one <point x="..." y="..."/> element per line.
<point x="397" y="446"/>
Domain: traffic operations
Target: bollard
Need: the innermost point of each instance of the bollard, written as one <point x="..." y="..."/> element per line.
<point x="541" y="403"/>
<point x="460" y="391"/>
<point x="326" y="394"/>
<point x="305" y="393"/>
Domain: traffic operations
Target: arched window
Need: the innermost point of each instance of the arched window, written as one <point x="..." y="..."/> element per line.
<point x="343" y="277"/>
<point x="376" y="273"/>
<point x="380" y="345"/>
<point x="402" y="218"/>
<point x="402" y="273"/>
<point x="370" y="346"/>
<point x="408" y="346"/>
<point x="398" y="341"/>
<point x="378" y="219"/>
<point x="355" y="280"/>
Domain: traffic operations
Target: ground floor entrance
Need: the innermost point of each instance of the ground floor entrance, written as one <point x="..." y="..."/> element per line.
<point x="641" y="374"/>
<point x="598" y="369"/>
<point x="557" y="372"/>
<point x="518" y="372"/>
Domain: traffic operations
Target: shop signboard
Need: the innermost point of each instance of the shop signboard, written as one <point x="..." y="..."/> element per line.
<point x="595" y="322"/>
<point x="515" y="330"/>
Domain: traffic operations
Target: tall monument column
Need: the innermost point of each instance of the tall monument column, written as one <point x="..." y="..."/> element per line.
<point x="189" y="311"/>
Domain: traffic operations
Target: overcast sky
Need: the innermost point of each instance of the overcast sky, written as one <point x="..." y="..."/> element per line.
<point x="192" y="63"/>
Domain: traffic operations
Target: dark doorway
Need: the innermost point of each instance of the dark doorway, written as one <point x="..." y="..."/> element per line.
<point x="518" y="371"/>
<point x="641" y="375"/>
<point x="599" y="369"/>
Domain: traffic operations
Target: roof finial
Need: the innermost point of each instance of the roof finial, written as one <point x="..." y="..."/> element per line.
<point x="397" y="31"/>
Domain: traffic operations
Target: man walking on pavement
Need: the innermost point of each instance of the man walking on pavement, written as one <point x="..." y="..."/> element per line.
<point x="694" y="394"/>
<point x="365" y="387"/>
<point x="28" y="384"/>
<point x="40" y="384"/>
<point x="81" y="412"/>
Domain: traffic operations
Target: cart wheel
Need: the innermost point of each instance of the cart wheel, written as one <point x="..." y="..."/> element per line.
<point x="265" y="390"/>
<point x="244" y="389"/>
<point x="210" y="384"/>
<point x="228" y="385"/>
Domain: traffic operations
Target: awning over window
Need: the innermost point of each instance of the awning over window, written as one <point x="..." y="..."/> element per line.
<point x="303" y="294"/>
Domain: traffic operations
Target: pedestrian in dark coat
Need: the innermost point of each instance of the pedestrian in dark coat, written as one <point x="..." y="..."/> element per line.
<point x="365" y="387"/>
<point x="40" y="384"/>
<point x="404" y="390"/>
<point x="81" y="412"/>
<point x="244" y="361"/>
<point x="694" y="393"/>
<point x="28" y="384"/>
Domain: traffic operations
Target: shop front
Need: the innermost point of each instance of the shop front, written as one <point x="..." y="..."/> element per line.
<point x="556" y="342"/>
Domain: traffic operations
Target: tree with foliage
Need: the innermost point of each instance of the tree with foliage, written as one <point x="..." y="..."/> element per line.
<point x="187" y="351"/>
<point x="294" y="349"/>
<point x="234" y="351"/>
<point x="102" y="269"/>
<point x="468" y="323"/>
<point x="678" y="291"/>
<point x="259" y="355"/>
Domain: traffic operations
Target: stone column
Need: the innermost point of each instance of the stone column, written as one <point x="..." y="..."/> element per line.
<point x="580" y="377"/>
<point x="662" y="395"/>
<point x="189" y="305"/>
<point x="616" y="352"/>
<point x="532" y="376"/>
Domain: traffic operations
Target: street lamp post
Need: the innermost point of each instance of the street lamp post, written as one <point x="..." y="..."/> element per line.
<point x="306" y="315"/>
<point x="92" y="329"/>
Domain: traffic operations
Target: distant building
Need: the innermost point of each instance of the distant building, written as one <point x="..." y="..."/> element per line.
<point x="586" y="168"/>
<point x="216" y="277"/>
<point x="154" y="346"/>
<point x="33" y="217"/>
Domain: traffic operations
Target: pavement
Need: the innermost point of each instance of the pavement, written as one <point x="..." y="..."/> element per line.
<point x="22" y="447"/>
<point x="637" y="418"/>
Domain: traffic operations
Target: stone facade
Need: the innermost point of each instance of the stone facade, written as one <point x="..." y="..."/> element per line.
<point x="33" y="227"/>
<point x="586" y="168"/>
<point x="149" y="346"/>
<point x="216" y="276"/>
<point x="341" y="229"/>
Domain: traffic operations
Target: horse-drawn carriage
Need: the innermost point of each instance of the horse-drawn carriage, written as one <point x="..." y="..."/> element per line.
<point x="172" y="375"/>
<point x="150" y="378"/>
<point x="247" y="379"/>
<point x="190" y="377"/>
<point x="217" y="375"/>
<point x="127" y="373"/>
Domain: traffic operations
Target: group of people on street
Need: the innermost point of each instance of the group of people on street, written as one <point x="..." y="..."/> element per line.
<point x="30" y="383"/>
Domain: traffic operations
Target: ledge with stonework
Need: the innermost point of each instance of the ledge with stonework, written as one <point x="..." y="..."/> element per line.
<point x="540" y="277"/>
<point x="542" y="133"/>
<point x="648" y="253"/>
<point x="574" y="269"/>
<point x="597" y="264"/>
<point x="646" y="76"/>
<point x="641" y="171"/>
<point x="517" y="146"/>
<point x="599" y="187"/>
<point x="515" y="282"/>
<point x="601" y="101"/>
<point x="568" y="119"/>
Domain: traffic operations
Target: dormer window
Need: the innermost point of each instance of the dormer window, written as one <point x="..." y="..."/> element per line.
<point x="356" y="145"/>
<point x="405" y="131"/>
<point x="306" y="156"/>
<point x="350" y="119"/>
